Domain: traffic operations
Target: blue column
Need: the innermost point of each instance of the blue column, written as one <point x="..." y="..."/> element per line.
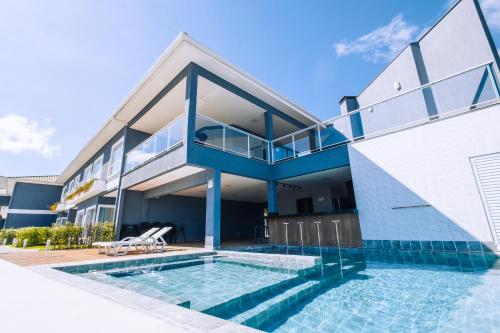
<point x="190" y="105"/>
<point x="272" y="198"/>
<point x="212" y="218"/>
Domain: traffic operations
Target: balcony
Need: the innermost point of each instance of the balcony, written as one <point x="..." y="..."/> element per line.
<point x="164" y="140"/>
<point x="459" y="93"/>
<point x="84" y="192"/>
<point x="214" y="134"/>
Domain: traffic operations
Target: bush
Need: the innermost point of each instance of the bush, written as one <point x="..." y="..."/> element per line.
<point x="8" y="234"/>
<point x="61" y="236"/>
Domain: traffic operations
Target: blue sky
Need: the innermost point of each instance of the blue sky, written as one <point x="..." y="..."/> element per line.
<point x="66" y="65"/>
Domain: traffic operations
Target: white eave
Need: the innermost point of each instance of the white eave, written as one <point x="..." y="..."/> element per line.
<point x="176" y="57"/>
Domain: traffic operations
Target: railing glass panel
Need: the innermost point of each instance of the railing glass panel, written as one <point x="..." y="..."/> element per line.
<point x="283" y="149"/>
<point x="228" y="138"/>
<point x="163" y="140"/>
<point x="236" y="141"/>
<point x="209" y="132"/>
<point x="258" y="148"/>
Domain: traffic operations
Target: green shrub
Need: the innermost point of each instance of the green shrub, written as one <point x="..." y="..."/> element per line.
<point x="61" y="236"/>
<point x="8" y="234"/>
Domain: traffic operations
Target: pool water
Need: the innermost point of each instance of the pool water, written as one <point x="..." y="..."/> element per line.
<point x="366" y="291"/>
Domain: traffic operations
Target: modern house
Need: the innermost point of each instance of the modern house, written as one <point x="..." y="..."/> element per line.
<point x="25" y="201"/>
<point x="203" y="145"/>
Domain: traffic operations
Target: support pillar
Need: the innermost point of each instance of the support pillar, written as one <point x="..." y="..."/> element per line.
<point x="213" y="211"/>
<point x="272" y="198"/>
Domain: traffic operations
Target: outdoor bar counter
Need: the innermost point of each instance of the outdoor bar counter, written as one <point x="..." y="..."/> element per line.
<point x="281" y="226"/>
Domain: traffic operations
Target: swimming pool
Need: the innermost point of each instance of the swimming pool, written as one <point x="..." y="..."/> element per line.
<point x="375" y="291"/>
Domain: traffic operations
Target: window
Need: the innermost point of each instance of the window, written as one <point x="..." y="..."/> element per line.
<point x="70" y="186"/>
<point x="77" y="182"/>
<point x="63" y="193"/>
<point x="87" y="175"/>
<point x="105" y="213"/>
<point x="79" y="217"/>
<point x="89" y="216"/>
<point x="115" y="162"/>
<point x="97" y="168"/>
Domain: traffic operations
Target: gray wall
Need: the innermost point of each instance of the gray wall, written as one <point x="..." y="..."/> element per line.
<point x="459" y="41"/>
<point x="238" y="218"/>
<point x="32" y="197"/>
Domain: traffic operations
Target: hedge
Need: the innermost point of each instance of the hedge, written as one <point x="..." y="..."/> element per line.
<point x="61" y="236"/>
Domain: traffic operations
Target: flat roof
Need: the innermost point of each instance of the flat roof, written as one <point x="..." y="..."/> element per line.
<point x="182" y="51"/>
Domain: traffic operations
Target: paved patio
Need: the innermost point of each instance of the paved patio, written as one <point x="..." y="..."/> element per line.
<point x="27" y="257"/>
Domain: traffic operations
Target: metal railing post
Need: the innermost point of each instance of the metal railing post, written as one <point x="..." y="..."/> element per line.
<point x="248" y="146"/>
<point x="319" y="138"/>
<point x="223" y="138"/>
<point x="270" y="154"/>
<point x="493" y="79"/>
<point x="436" y="99"/>
<point x="293" y="145"/>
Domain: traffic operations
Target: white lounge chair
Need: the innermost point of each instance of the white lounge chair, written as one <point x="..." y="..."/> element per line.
<point x="133" y="241"/>
<point x="157" y="240"/>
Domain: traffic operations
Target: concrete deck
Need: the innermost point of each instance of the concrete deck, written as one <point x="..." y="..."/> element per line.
<point x="42" y="299"/>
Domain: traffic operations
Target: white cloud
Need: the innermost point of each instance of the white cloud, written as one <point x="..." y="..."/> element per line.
<point x="382" y="43"/>
<point x="22" y="135"/>
<point x="491" y="10"/>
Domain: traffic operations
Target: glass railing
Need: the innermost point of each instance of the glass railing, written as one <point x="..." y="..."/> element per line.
<point x="458" y="93"/>
<point x="218" y="135"/>
<point x="165" y="139"/>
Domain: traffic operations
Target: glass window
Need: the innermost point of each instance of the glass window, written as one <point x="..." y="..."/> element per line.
<point x="87" y="175"/>
<point x="77" y="182"/>
<point x="106" y="214"/>
<point x="70" y="187"/>
<point x="97" y="168"/>
<point x="89" y="216"/>
<point x="79" y="217"/>
<point x="115" y="161"/>
<point x="63" y="193"/>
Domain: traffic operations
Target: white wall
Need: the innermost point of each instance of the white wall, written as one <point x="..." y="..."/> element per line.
<point x="456" y="43"/>
<point x="425" y="165"/>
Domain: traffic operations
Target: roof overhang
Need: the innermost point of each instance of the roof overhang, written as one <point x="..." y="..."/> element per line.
<point x="176" y="57"/>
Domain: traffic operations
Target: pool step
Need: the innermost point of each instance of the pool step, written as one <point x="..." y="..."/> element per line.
<point x="257" y="315"/>
<point x="267" y="310"/>
<point x="118" y="272"/>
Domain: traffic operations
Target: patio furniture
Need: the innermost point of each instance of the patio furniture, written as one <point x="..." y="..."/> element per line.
<point x="157" y="240"/>
<point x="144" y="226"/>
<point x="172" y="237"/>
<point x="128" y="241"/>
<point x="129" y="230"/>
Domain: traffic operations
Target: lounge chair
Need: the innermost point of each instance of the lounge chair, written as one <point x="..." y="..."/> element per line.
<point x="157" y="240"/>
<point x="133" y="241"/>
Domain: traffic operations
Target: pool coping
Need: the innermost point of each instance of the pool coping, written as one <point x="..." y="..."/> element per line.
<point x="183" y="318"/>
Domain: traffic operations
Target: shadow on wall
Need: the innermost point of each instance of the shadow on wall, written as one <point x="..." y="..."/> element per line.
<point x="390" y="210"/>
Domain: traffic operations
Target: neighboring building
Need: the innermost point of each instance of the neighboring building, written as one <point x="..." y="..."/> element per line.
<point x="25" y="201"/>
<point x="205" y="146"/>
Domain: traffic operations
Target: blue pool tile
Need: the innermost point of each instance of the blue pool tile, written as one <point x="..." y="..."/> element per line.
<point x="377" y="244"/>
<point x="426" y="245"/>
<point x="415" y="245"/>
<point x="405" y="245"/>
<point x="449" y="246"/>
<point x="474" y="246"/>
<point x="396" y="244"/>
<point x="461" y="246"/>
<point x="437" y="246"/>
<point x="387" y="244"/>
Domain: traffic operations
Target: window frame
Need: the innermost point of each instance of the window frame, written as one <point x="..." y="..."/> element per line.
<point x="87" y="174"/>
<point x="98" y="161"/>
<point x="82" y="213"/>
<point x="111" y="162"/>
<point x="105" y="206"/>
